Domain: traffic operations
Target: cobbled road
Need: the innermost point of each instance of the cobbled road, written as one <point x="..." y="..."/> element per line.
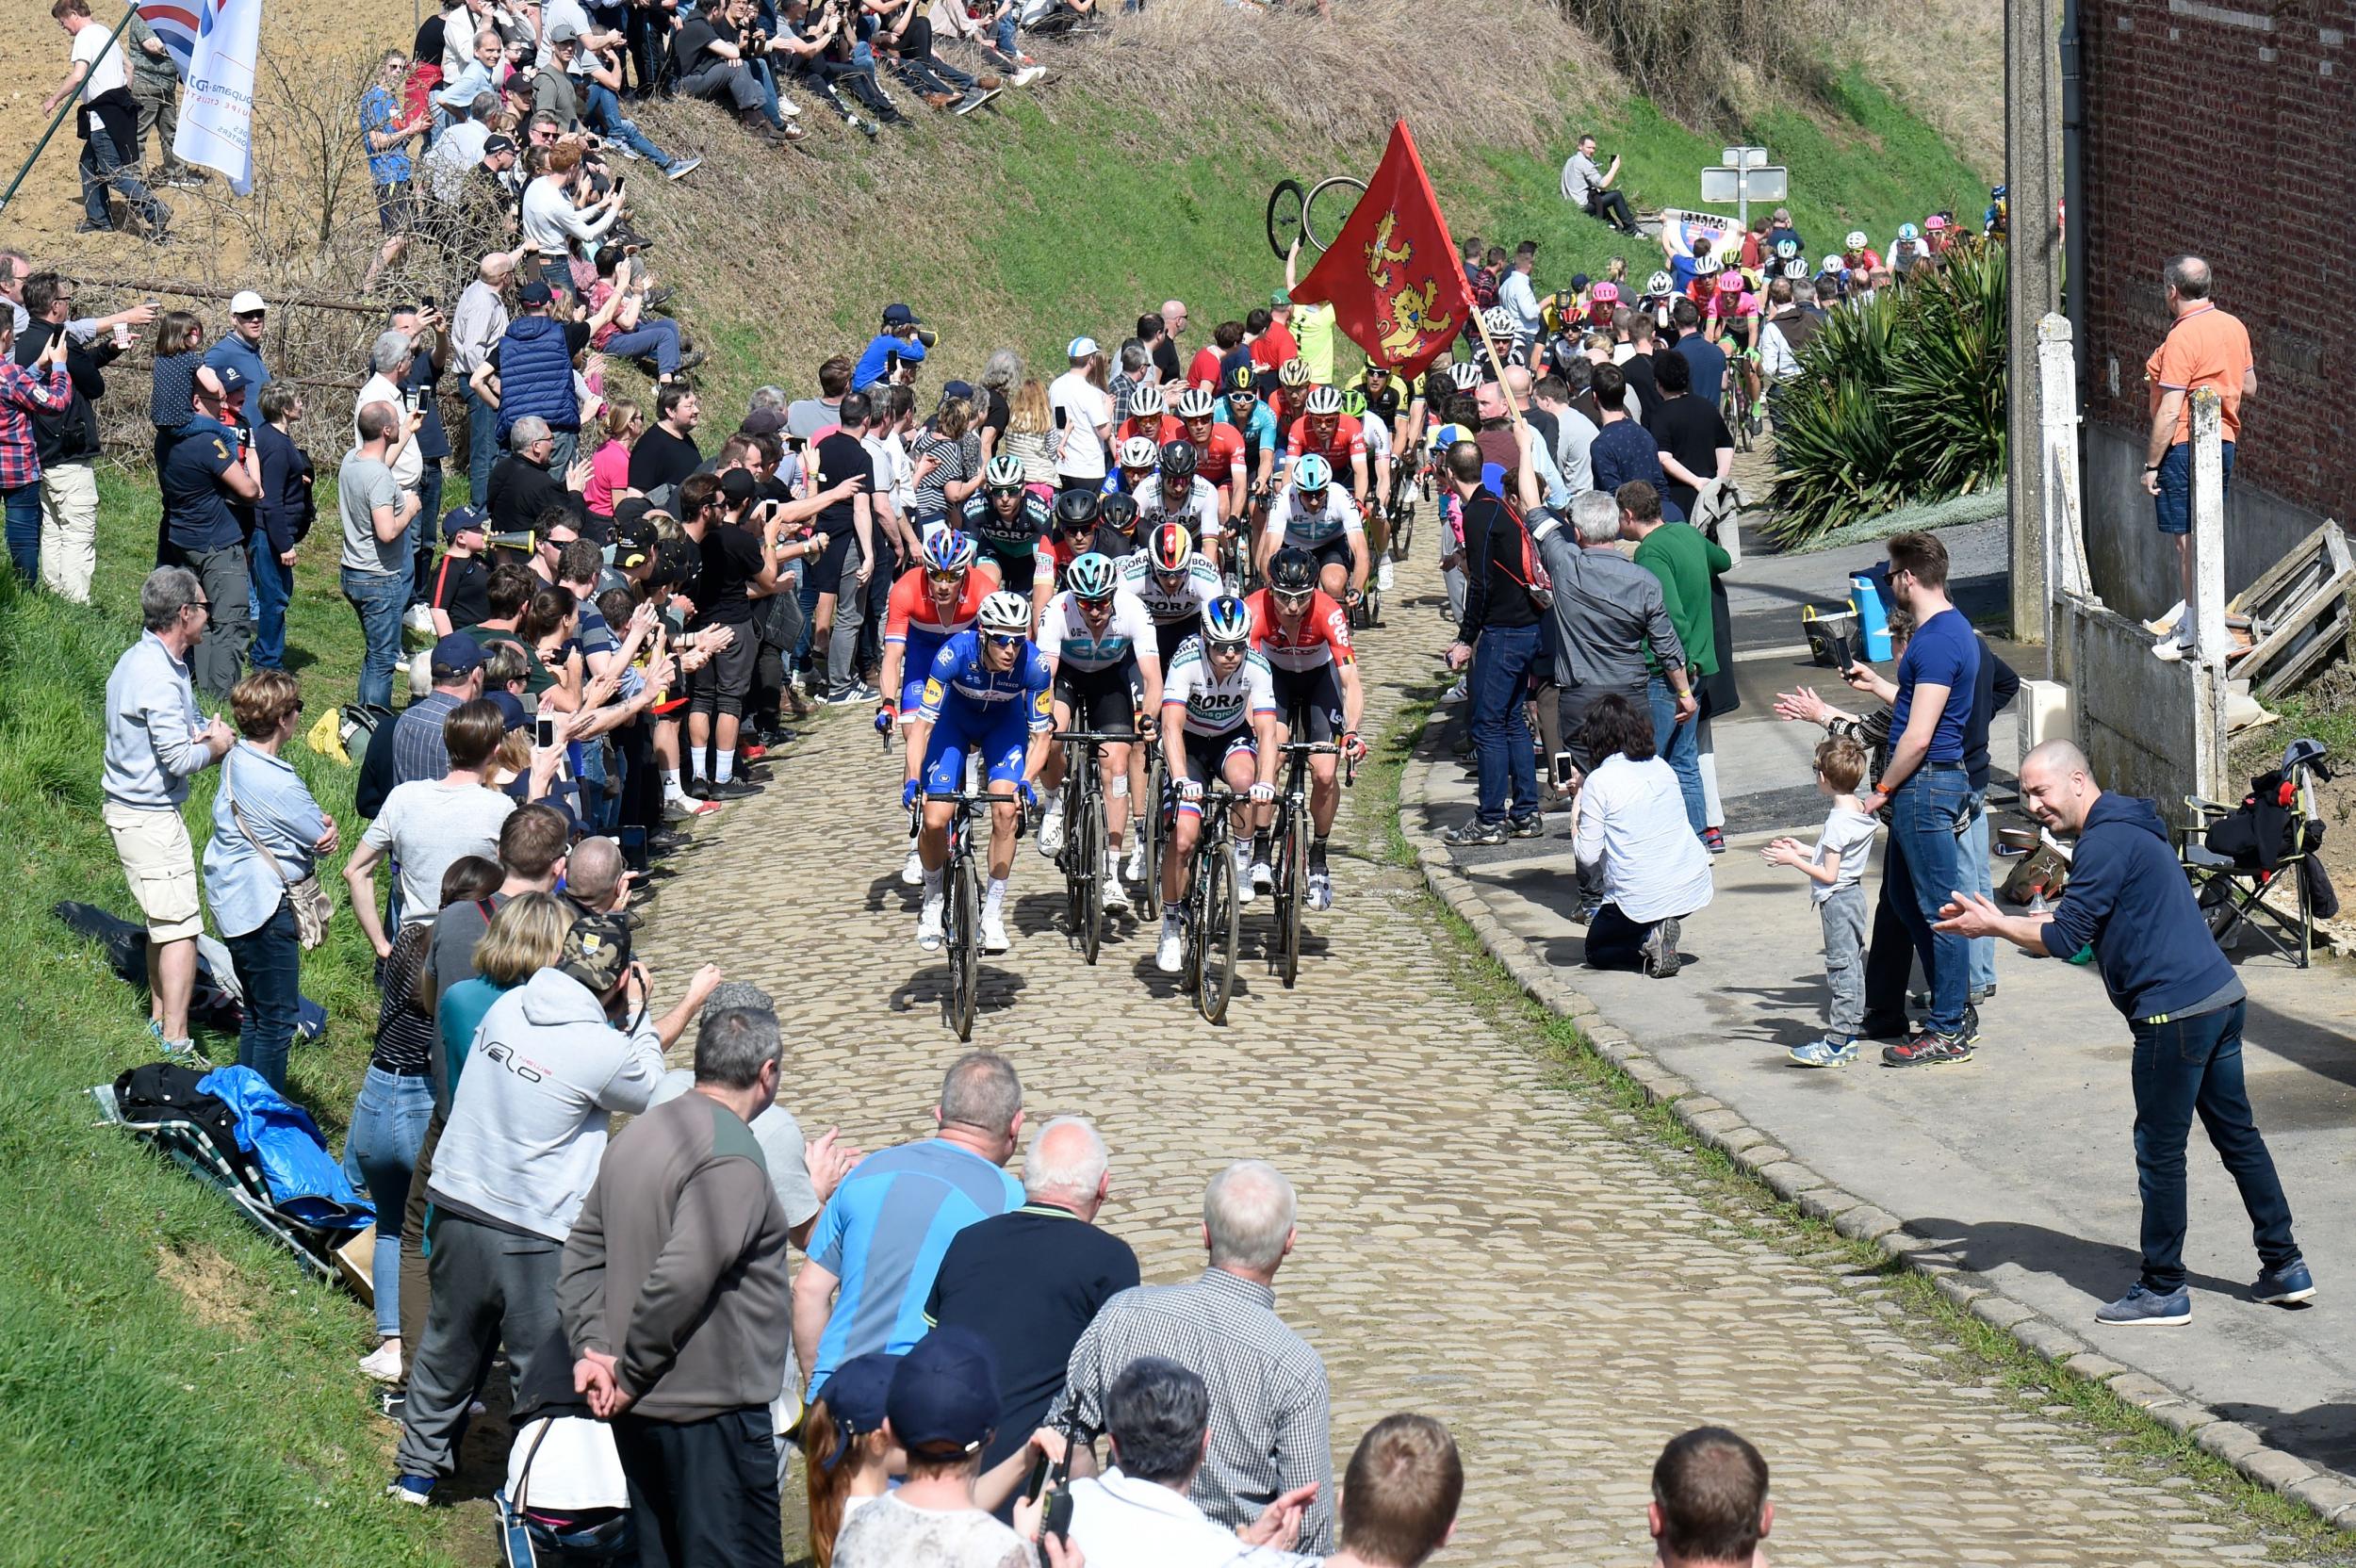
<point x="1477" y="1239"/>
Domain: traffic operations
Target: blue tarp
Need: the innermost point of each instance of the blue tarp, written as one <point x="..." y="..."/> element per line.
<point x="304" y="1180"/>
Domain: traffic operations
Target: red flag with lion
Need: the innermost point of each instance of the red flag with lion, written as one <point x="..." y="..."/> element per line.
<point x="1392" y="277"/>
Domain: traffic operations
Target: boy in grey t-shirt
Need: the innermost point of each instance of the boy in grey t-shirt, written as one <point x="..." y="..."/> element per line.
<point x="1834" y="869"/>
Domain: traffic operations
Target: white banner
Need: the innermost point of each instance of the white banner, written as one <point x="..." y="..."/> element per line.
<point x="1680" y="228"/>
<point x="217" y="106"/>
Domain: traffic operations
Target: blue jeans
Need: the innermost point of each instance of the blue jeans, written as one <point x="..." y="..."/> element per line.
<point x="24" y="529"/>
<point x="2173" y="504"/>
<point x="380" y="1153"/>
<point x="483" y="446"/>
<point x="2184" y="1067"/>
<point x="380" y="598"/>
<point x="1924" y="863"/>
<point x="273" y="585"/>
<point x="101" y="166"/>
<point x="268" y="961"/>
<point x="654" y="335"/>
<point x="604" y="113"/>
<point x="1499" y="682"/>
<point x="1679" y="746"/>
<point x="424" y="530"/>
<point x="1973" y="848"/>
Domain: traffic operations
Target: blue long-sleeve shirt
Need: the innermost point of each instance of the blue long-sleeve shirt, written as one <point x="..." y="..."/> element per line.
<point x="155" y="733"/>
<point x="281" y="821"/>
<point x="284" y="508"/>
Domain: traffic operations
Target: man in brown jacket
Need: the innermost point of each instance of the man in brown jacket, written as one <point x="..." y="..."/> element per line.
<point x="675" y="1298"/>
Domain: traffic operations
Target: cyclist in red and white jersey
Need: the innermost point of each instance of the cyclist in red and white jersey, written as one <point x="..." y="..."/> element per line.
<point x="1325" y="429"/>
<point x="1218" y="451"/>
<point x="1149" y="417"/>
<point x="1304" y="636"/>
<point x="934" y="600"/>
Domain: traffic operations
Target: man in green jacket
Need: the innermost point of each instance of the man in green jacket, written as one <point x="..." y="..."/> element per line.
<point x="676" y="1299"/>
<point x="1685" y="560"/>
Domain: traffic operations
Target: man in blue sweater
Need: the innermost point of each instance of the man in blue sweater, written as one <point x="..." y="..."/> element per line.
<point x="2130" y="910"/>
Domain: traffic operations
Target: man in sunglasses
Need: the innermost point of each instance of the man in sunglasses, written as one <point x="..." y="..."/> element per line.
<point x="241" y="346"/>
<point x="1218" y="721"/>
<point x="1304" y="636"/>
<point x="1098" y="638"/>
<point x="934" y="600"/>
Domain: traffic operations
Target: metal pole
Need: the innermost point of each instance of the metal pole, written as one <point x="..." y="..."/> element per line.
<point x="2032" y="163"/>
<point x="54" y="121"/>
<point x="1742" y="196"/>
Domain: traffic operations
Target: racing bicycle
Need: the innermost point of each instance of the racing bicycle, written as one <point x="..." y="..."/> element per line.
<point x="962" y="911"/>
<point x="1082" y="856"/>
<point x="1213" y="916"/>
<point x="1290" y="849"/>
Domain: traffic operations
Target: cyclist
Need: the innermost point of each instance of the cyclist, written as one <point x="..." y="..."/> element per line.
<point x="1325" y="429"/>
<point x="1292" y="387"/>
<point x="1175" y="581"/>
<point x="1938" y="232"/>
<point x="1218" y="451"/>
<point x="1182" y="495"/>
<point x="1314" y="515"/>
<point x="1099" y="641"/>
<point x="1384" y="405"/>
<point x="1732" y="322"/>
<point x="1149" y="417"/>
<point x="1997" y="219"/>
<point x="1218" y="721"/>
<point x="1119" y="532"/>
<point x="1305" y="638"/>
<point x="1076" y="516"/>
<point x="1838" y="271"/>
<point x="933" y="601"/>
<point x="1137" y="459"/>
<point x="988" y="694"/>
<point x="1378" y="439"/>
<point x="1906" y="249"/>
<point x="1602" y="301"/>
<point x="1007" y="523"/>
<point x="1857" y="252"/>
<point x="1242" y="411"/>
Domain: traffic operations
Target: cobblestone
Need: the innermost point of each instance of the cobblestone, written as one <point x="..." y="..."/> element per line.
<point x="1476" y="1240"/>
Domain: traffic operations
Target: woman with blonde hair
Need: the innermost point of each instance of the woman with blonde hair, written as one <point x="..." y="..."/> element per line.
<point x="948" y="462"/>
<point x="1028" y="424"/>
<point x="525" y="937"/>
<point x="609" y="465"/>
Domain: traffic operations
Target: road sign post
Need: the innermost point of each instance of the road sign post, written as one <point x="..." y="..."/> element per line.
<point x="1744" y="175"/>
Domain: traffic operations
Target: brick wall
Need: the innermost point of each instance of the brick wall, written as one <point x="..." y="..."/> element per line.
<point x="2228" y="128"/>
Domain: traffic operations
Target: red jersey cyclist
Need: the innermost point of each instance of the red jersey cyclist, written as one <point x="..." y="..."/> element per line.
<point x="932" y="603"/>
<point x="1304" y="636"/>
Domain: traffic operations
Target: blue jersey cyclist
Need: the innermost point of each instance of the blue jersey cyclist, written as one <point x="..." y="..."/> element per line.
<point x="1009" y="523"/>
<point x="988" y="696"/>
<point x="1218" y="721"/>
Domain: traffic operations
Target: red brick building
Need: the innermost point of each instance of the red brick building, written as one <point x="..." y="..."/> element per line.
<point x="2226" y="129"/>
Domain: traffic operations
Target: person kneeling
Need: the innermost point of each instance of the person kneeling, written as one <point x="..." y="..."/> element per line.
<point x="1630" y="820"/>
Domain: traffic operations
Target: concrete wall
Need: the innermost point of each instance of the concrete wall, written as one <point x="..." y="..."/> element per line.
<point x="2138" y="718"/>
<point x="2134" y="565"/>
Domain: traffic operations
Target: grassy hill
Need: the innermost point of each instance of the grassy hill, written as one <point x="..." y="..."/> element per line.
<point x="166" y="1380"/>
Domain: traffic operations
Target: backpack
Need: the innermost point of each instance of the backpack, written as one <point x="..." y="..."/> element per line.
<point x="1533" y="576"/>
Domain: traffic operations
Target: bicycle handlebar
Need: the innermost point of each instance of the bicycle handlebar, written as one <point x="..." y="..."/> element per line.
<point x="1099" y="737"/>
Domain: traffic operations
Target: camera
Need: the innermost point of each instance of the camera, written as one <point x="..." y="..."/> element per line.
<point x="1565" y="768"/>
<point x="927" y="337"/>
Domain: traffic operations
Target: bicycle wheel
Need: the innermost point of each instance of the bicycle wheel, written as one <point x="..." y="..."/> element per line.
<point x="962" y="917"/>
<point x="1068" y="857"/>
<point x="1146" y="822"/>
<point x="1219" y="934"/>
<point x="1327" y="207"/>
<point x="1286" y="206"/>
<point x="1087" y="853"/>
<point x="1292" y="881"/>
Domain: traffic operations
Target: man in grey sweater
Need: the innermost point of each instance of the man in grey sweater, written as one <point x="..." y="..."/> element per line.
<point x="675" y="1297"/>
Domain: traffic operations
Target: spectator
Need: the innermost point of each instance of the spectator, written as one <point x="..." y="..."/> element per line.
<point x="527" y="486"/>
<point x="65" y="443"/>
<point x="1083" y="417"/>
<point x="1029" y="1282"/>
<point x="377" y="517"/>
<point x="666" y="452"/>
<point x="390" y="358"/>
<point x="1697" y="449"/>
<point x="948" y="460"/>
<point x="1499" y="635"/>
<point x="674" y="1295"/>
<point x="1002" y="373"/>
<point x="477" y="327"/>
<point x="208" y="478"/>
<point x="459" y="594"/>
<point x="427" y="823"/>
<point x="531" y="369"/>
<point x="410" y="749"/>
<point x="248" y="317"/>
<point x="940" y="1411"/>
<point x="834" y="592"/>
<point x="1274" y="346"/>
<point x="283" y="515"/>
<point x="1588" y="187"/>
<point x="881" y="1236"/>
<point x="156" y="739"/>
<point x="1167" y="348"/>
<point x="1705" y="359"/>
<point x="1709" y="1507"/>
<point x="709" y="58"/>
<point x="1029" y="421"/>
<point x="1399" y="1494"/>
<point x="108" y="122"/>
<point x="900" y="341"/>
<point x="596" y="77"/>
<point x="156" y="87"/>
<point x="1622" y="450"/>
<point x="846" y="1455"/>
<point x="1157" y="1414"/>
<point x="479" y="74"/>
<point x="625" y="423"/>
<point x="422" y="385"/>
<point x="633" y="333"/>
<point x="512" y="1167"/>
<point x="1834" y="868"/>
<point x="267" y="834"/>
<point x="1687" y="562"/>
<point x="1516" y="294"/>
<point x="2204" y="347"/>
<point x="806" y="416"/>
<point x="1268" y="1395"/>
<point x="738" y="566"/>
<point x="458" y="150"/>
<point x="43" y="387"/>
<point x="394" y="1106"/>
<point x="823" y="50"/>
<point x="172" y="380"/>
<point x="384" y="135"/>
<point x="1574" y="431"/>
<point x="2129" y="904"/>
<point x="1627" y="823"/>
<point x="554" y="222"/>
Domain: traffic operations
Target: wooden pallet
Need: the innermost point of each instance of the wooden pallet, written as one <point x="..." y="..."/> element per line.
<point x="2300" y="614"/>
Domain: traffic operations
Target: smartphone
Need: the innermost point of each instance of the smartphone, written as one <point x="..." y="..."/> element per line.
<point x="621" y="185"/>
<point x="1844" y="656"/>
<point x="1565" y="768"/>
<point x="544" y="732"/>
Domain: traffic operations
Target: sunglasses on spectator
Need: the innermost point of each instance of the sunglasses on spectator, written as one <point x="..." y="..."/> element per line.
<point x="251" y="315"/>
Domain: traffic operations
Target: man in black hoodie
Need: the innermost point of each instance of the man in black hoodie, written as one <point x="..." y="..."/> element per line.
<point x="2130" y="910"/>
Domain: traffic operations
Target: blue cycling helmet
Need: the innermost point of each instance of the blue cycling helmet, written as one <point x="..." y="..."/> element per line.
<point x="1909" y="232"/>
<point x="948" y="550"/>
<point x="1092" y="576"/>
<point x="1225" y="621"/>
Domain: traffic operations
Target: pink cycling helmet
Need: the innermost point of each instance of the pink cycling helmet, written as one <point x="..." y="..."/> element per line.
<point x="1607" y="293"/>
<point x="1730" y="283"/>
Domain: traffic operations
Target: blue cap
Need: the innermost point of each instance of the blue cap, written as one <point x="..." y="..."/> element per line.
<point x="511" y="709"/>
<point x="461" y="519"/>
<point x="944" y="1393"/>
<point x="1080" y="347"/>
<point x="233" y="381"/>
<point x="854" y="1396"/>
<point x="900" y="316"/>
<point x="961" y="390"/>
<point x="455" y="656"/>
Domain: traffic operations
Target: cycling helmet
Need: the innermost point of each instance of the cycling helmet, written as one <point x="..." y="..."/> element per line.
<point x="1936" y="222"/>
<point x="1730" y="283"/>
<point x="1787" y="249"/>
<point x="1605" y="293"/>
<point x="948" y="550"/>
<point x="1322" y="401"/>
<point x="1313" y="473"/>
<point x="1498" y="321"/>
<point x="1464" y="375"/>
<point x="1138" y="451"/>
<point x="1908" y="234"/>
<point x="1354" y="403"/>
<point x="1145" y="402"/>
<point x="1660" y="282"/>
<point x="1834" y="265"/>
<point x="1294" y="373"/>
<point x="1855" y="239"/>
<point x="1170" y="550"/>
<point x="1706" y="265"/>
<point x="1796" y="268"/>
<point x="1292" y="570"/>
<point x="1004" y="473"/>
<point x="1996" y="192"/>
<point x="1118" y="513"/>
<point x="1178" y="460"/>
<point x="1091" y="576"/>
<point x="1241" y="382"/>
<point x="1004" y="612"/>
<point x="1195" y="403"/>
<point x="1226" y="622"/>
<point x="1083" y="507"/>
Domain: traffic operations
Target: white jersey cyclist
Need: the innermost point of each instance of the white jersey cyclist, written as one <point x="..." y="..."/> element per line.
<point x="1216" y="707"/>
<point x="1199" y="511"/>
<point x="1065" y="636"/>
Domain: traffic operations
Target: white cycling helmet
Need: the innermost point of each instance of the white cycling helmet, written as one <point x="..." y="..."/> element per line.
<point x="1660" y="282"/>
<point x="1313" y="473"/>
<point x="1322" y="401"/>
<point x="1004" y="612"/>
<point x="1498" y="321"/>
<point x="1908" y="234"/>
<point x="1796" y="268"/>
<point x="1004" y="473"/>
<point x="1195" y="403"/>
<point x="1706" y="267"/>
<point x="1139" y="452"/>
<point x="1295" y="372"/>
<point x="1145" y="402"/>
<point x="1464" y="375"/>
<point x="1834" y="265"/>
<point x="1854" y="240"/>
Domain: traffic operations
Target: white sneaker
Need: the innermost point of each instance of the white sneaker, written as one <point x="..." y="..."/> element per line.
<point x="912" y="869"/>
<point x="1050" y="831"/>
<point x="1320" y="889"/>
<point x="928" y="923"/>
<point x="1170" y="954"/>
<point x="1382" y="574"/>
<point x="385" y="1364"/>
<point x="1116" y="896"/>
<point x="1134" y="869"/>
<point x="995" y="932"/>
<point x="1028" y="74"/>
<point x="1455" y="693"/>
<point x="1263" y="876"/>
<point x="1245" y="886"/>
<point x="2168" y="650"/>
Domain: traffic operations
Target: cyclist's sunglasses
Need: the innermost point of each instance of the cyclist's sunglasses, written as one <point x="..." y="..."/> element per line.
<point x="944" y="580"/>
<point x="1293" y="601"/>
<point x="1096" y="606"/>
<point x="1003" y="639"/>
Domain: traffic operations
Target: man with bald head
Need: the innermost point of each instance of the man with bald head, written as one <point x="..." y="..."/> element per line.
<point x="2204" y="347"/>
<point x="377" y="514"/>
<point x="1166" y="351"/>
<point x="1269" y="1398"/>
<point x="595" y="877"/>
<point x="2130" y="910"/>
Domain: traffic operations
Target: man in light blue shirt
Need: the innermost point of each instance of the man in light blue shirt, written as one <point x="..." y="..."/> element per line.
<point x="1517" y="295"/>
<point x="156" y="739"/>
<point x="881" y="1236"/>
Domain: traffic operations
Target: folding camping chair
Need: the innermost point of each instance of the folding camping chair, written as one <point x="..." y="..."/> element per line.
<point x="2235" y="854"/>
